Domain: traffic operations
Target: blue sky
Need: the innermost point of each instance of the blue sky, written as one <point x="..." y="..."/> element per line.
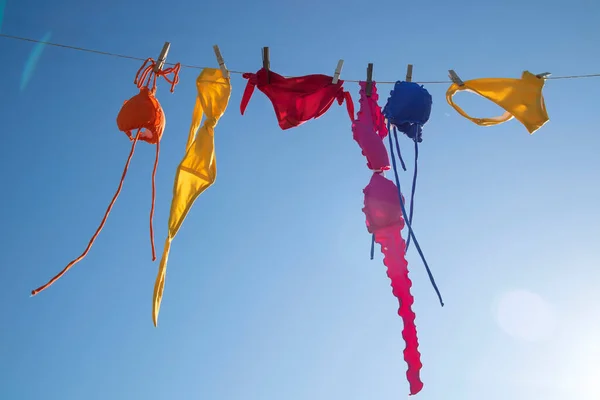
<point x="270" y="292"/>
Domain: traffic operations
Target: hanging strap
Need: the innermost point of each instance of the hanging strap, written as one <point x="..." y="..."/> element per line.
<point x="345" y="96"/>
<point x="372" y="246"/>
<point x="378" y="124"/>
<point x="146" y="75"/>
<point x="414" y="185"/>
<point x="454" y="88"/>
<point x="248" y="91"/>
<point x="397" y="146"/>
<point x="410" y="230"/>
<point x="153" y="199"/>
<point x="93" y="239"/>
<point x="379" y="121"/>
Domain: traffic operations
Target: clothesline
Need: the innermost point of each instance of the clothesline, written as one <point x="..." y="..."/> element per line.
<point x="105" y="53"/>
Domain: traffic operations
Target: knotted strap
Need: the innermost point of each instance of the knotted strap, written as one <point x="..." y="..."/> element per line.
<point x="146" y="73"/>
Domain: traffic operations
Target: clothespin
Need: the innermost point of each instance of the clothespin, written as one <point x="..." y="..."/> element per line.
<point x="221" y="62"/>
<point x="409" y="73"/>
<point x="454" y="77"/>
<point x="160" y="62"/>
<point x="266" y="61"/>
<point x="369" y="79"/>
<point x="338" y="71"/>
<point x="543" y="75"/>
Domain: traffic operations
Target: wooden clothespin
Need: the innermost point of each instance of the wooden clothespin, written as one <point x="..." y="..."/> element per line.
<point x="221" y="62"/>
<point x="160" y="62"/>
<point x="266" y="62"/>
<point x="338" y="71"/>
<point x="543" y="75"/>
<point x="409" y="73"/>
<point x="454" y="78"/>
<point x="369" y="79"/>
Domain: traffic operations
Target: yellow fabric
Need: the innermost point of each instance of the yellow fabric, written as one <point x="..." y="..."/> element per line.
<point x="521" y="98"/>
<point x="198" y="169"/>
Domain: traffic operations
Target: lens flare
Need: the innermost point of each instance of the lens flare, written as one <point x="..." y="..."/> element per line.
<point x="33" y="60"/>
<point x="2" y="6"/>
<point x="525" y="315"/>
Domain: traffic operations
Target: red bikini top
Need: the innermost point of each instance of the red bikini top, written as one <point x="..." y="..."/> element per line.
<point x="299" y="99"/>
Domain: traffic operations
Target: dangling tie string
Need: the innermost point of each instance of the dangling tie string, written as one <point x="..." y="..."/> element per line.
<point x="410" y="230"/>
<point x="146" y="73"/>
<point x="397" y="145"/>
<point x="93" y="239"/>
<point x="414" y="185"/>
<point x="143" y="73"/>
<point x="372" y="246"/>
<point x="172" y="70"/>
<point x="342" y="96"/>
<point x="250" y="85"/>
<point x="153" y="199"/>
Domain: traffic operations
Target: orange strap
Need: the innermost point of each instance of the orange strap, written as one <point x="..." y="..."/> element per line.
<point x="91" y="242"/>
<point x="146" y="73"/>
<point x="153" y="197"/>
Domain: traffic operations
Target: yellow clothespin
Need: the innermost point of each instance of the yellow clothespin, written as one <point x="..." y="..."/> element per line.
<point x="409" y="73"/>
<point x="221" y="62"/>
<point x="369" y="79"/>
<point x="266" y="62"/>
<point x="454" y="77"/>
<point x="338" y="71"/>
<point x="160" y="62"/>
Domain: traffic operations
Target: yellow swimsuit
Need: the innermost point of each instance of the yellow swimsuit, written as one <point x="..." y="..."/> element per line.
<point x="198" y="169"/>
<point x="521" y="98"/>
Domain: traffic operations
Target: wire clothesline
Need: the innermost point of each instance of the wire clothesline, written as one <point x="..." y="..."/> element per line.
<point x="106" y="53"/>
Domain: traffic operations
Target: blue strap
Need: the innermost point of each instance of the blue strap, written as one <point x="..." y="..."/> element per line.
<point x="403" y="167"/>
<point x="372" y="246"/>
<point x="397" y="146"/>
<point x="410" y="230"/>
<point x="414" y="185"/>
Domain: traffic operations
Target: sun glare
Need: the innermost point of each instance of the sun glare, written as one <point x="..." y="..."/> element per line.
<point x="524" y="315"/>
